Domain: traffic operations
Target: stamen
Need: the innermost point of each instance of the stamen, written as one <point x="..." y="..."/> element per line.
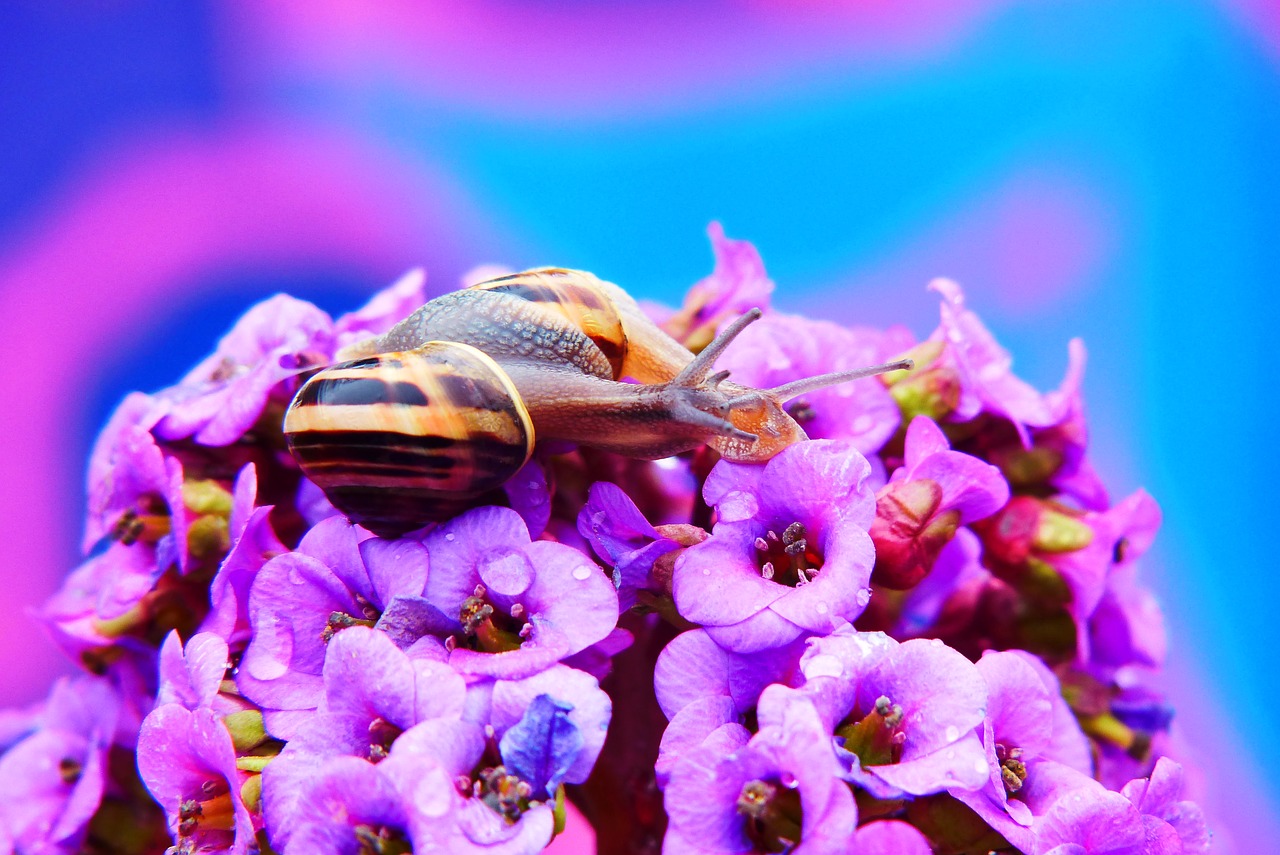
<point x="1013" y="772"/>
<point x="774" y="815"/>
<point x="339" y="621"/>
<point x="507" y="794"/>
<point x="382" y="734"/>
<point x="69" y="770"/>
<point x="755" y="797"/>
<point x="767" y="570"/>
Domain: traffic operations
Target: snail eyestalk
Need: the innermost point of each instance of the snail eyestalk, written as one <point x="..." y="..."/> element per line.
<point x="797" y="388"/>
<point x="696" y="370"/>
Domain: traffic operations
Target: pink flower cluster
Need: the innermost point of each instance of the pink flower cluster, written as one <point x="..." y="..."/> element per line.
<point x="920" y="631"/>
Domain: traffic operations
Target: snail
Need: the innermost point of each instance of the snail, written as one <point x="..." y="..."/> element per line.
<point x="412" y="427"/>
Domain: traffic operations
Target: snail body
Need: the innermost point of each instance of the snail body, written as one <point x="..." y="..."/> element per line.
<point x="416" y="424"/>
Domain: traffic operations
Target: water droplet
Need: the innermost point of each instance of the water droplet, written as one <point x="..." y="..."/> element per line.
<point x="822" y="608"/>
<point x="936" y="642"/>
<point x="450" y="537"/>
<point x="582" y="572"/>
<point x="952" y="733"/>
<point x="706" y="571"/>
<point x="863" y="596"/>
<point x="980" y="766"/>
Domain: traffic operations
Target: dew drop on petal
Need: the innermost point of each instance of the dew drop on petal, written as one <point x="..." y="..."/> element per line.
<point x="582" y="572"/>
<point x="706" y="571"/>
<point x="980" y="766"/>
<point x="952" y="733"/>
<point x="863" y="596"/>
<point x="450" y="536"/>
<point x="936" y="642"/>
<point x="822" y="608"/>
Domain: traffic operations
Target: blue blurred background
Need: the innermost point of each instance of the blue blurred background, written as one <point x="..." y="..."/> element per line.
<point x="1107" y="170"/>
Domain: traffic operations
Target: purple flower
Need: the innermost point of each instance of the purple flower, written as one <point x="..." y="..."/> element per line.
<point x="790" y="555"/>
<point x="470" y="785"/>
<point x="1159" y="798"/>
<point x="223" y="396"/>
<point x="512" y="607"/>
<point x="253" y="543"/>
<point x="1027" y="725"/>
<point x="692" y="667"/>
<point x="624" y="539"/>
<point x="373" y="692"/>
<point x="99" y="603"/>
<point x="131" y="490"/>
<point x="890" y="837"/>
<point x="737" y="284"/>
<point x="1127" y="627"/>
<point x="353" y="807"/>
<point x="52" y="780"/>
<point x="188" y="762"/>
<point x="1091" y="820"/>
<point x="299" y="600"/>
<point x="1076" y="815"/>
<point x="934" y="492"/>
<point x="906" y="712"/>
<point x="587" y="708"/>
<point x="192" y="676"/>
<point x="780" y="348"/>
<point x="779" y="789"/>
<point x="987" y="382"/>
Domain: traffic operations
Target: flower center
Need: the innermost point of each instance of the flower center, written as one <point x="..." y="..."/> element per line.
<point x="146" y="523"/>
<point x="339" y="621"/>
<point x="774" y="815"/>
<point x="212" y="812"/>
<point x="382" y="840"/>
<point x="876" y="739"/>
<point x="506" y="794"/>
<point x="790" y="558"/>
<point x="488" y="629"/>
<point x="381" y="734"/>
<point x="1012" y="770"/>
<point x="69" y="770"/>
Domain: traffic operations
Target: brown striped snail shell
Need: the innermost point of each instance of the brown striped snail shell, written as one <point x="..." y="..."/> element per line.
<point x="399" y="439"/>
<point x="445" y="407"/>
